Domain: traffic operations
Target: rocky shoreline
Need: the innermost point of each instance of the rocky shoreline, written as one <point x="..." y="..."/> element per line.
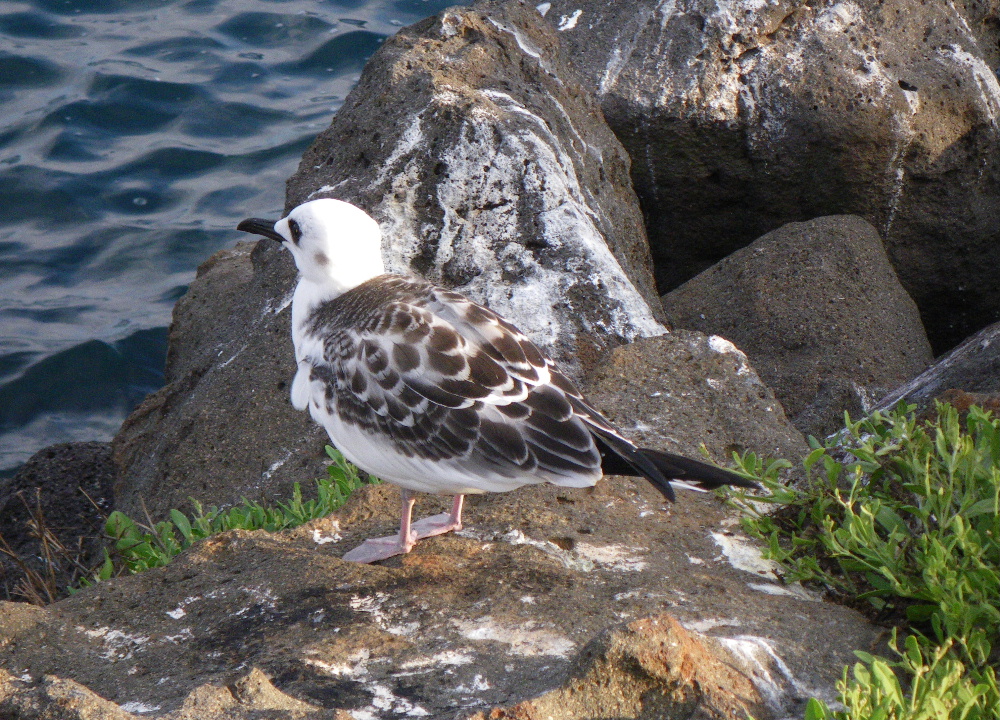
<point x="731" y="221"/>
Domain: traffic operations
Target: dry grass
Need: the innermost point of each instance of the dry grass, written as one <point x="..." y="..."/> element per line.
<point x="45" y="576"/>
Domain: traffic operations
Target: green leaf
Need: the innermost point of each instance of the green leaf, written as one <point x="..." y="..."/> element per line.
<point x="921" y="613"/>
<point x="817" y="710"/>
<point x="986" y="506"/>
<point x="182" y="524"/>
<point x="890" y="520"/>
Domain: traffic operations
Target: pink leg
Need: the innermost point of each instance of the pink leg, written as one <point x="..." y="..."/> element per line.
<point x="409" y="532"/>
<point x="440" y="524"/>
<point x="381" y="548"/>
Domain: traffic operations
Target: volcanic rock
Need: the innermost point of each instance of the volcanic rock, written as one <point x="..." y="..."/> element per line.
<point x="971" y="370"/>
<point x="820" y="313"/>
<point x="492" y="172"/>
<point x="743" y="116"/>
<point x="684" y="391"/>
<point x="512" y="609"/>
<point x="222" y="428"/>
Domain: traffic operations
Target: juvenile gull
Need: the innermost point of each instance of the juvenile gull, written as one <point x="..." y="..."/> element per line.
<point x="432" y="392"/>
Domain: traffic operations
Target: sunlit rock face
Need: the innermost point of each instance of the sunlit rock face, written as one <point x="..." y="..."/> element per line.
<point x="743" y="115"/>
<point x="492" y="171"/>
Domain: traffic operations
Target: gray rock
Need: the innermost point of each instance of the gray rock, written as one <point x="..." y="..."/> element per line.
<point x="491" y="169"/>
<point x="251" y="697"/>
<point x="680" y="391"/>
<point x="222" y="428"/>
<point x="55" y="698"/>
<point x="820" y="313"/>
<point x="62" y="494"/>
<point x="504" y="613"/>
<point x="972" y="367"/>
<point x="743" y="116"/>
<point x="650" y="669"/>
<point x="824" y="415"/>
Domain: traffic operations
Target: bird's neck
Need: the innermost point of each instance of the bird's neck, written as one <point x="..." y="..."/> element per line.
<point x="308" y="296"/>
<point x="332" y="279"/>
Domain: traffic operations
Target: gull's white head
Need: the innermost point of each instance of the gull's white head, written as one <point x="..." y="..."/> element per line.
<point x="334" y="243"/>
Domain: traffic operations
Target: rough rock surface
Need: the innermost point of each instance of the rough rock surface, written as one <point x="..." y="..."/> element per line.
<point x="251" y="697"/>
<point x="742" y="116"/>
<point x="650" y="669"/>
<point x="490" y="167"/>
<point x="59" y="486"/>
<point x="972" y="368"/>
<point x="680" y="391"/>
<point x="222" y="427"/>
<point x="503" y="613"/>
<point x="819" y="311"/>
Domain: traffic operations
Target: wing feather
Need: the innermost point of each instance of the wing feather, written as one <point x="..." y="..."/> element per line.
<point x="447" y="379"/>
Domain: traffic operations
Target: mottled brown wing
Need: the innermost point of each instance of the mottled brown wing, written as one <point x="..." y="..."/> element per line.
<point x="478" y="391"/>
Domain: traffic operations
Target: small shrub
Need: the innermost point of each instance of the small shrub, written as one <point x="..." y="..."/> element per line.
<point x="902" y="516"/>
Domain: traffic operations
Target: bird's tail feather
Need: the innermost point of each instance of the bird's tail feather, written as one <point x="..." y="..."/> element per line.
<point x="620" y="457"/>
<point x="701" y="473"/>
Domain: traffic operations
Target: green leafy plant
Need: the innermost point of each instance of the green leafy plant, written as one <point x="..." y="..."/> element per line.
<point x="901" y="516"/>
<point x="936" y="685"/>
<point x="138" y="547"/>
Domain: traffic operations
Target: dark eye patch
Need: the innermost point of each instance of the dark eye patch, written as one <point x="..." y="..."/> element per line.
<point x="295" y="230"/>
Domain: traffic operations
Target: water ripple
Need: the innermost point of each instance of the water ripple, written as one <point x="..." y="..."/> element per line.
<point x="135" y="135"/>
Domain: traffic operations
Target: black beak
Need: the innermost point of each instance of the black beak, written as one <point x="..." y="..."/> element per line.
<point x="260" y="226"/>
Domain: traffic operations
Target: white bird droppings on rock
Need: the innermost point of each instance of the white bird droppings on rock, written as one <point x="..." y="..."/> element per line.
<point x="403" y="630"/>
<point x="448" y="657"/>
<point x="703" y="626"/>
<point x="720" y="345"/>
<point x="744" y="555"/>
<point x="285" y="302"/>
<point x="352" y="666"/>
<point x="568" y="559"/>
<point x="385" y="701"/>
<point x="724" y="347"/>
<point x="328" y="189"/>
<point x="986" y="80"/>
<point x="139" y="707"/>
<point x="266" y="475"/>
<point x="768" y="672"/>
<point x="527" y="47"/>
<point x="794" y="590"/>
<point x="615" y="557"/>
<point x="371" y="604"/>
<point x="478" y="684"/>
<point x="118" y="645"/>
<point x="524" y="640"/>
<point x="568" y="22"/>
<point x="183" y="636"/>
<point x="320" y="539"/>
<point x="261" y="595"/>
<point x="566" y="219"/>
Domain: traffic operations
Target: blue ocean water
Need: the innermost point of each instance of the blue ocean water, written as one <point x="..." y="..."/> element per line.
<point x="135" y="134"/>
